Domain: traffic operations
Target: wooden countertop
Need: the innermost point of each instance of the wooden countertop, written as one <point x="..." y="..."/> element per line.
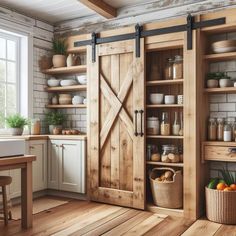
<point x="46" y="137"/>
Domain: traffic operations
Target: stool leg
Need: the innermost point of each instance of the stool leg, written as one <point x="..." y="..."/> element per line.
<point x="5" y="210"/>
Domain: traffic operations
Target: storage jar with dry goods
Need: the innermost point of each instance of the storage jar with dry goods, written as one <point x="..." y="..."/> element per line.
<point x="178" y="67"/>
<point x="212" y="128"/>
<point x="153" y="125"/>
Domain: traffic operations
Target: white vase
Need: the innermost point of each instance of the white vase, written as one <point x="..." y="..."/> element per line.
<point x="71" y="60"/>
<point x="59" y="61"/>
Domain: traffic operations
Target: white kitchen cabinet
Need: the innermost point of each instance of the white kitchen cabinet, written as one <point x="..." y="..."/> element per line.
<point x="39" y="149"/>
<point x="67" y="165"/>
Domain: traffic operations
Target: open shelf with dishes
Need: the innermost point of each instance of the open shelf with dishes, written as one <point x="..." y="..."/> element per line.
<point x="164" y="114"/>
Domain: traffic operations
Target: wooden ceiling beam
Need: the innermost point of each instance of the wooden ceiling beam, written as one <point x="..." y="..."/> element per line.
<point x="101" y="8"/>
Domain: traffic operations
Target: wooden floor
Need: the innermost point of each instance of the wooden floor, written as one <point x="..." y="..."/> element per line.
<point x="89" y="218"/>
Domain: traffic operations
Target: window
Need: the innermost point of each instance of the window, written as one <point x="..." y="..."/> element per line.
<point x="9" y="76"/>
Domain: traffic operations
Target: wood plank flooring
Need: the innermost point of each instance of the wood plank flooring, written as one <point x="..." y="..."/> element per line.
<point x="91" y="219"/>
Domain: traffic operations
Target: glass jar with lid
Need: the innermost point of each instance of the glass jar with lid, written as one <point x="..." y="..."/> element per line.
<point x="165" y="124"/>
<point x="212" y="128"/>
<point x="178" y="67"/>
<point x="231" y="121"/>
<point x="169" y="69"/>
<point x="220" y="129"/>
<point x="35" y="126"/>
<point x="153" y="125"/>
<point x="170" y="154"/>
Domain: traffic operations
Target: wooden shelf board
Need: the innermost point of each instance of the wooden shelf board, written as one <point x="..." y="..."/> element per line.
<point x="66" y="70"/>
<point x="163" y="105"/>
<point x="66" y="106"/>
<point x="161" y="210"/>
<point x="221" y="56"/>
<point x="165" y="137"/>
<point x="220" y="143"/>
<point x="165" y="164"/>
<point x="220" y="90"/>
<point x="67" y="88"/>
<point x="81" y="49"/>
<point x="164" y="82"/>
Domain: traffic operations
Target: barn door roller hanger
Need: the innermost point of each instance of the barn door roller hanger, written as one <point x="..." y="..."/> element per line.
<point x="140" y="33"/>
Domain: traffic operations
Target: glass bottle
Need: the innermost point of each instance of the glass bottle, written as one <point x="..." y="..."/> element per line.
<point x="212" y="127"/>
<point x="165" y="124"/>
<point x="181" y="131"/>
<point x="227" y="133"/>
<point x="169" y="69"/>
<point x="220" y="129"/>
<point x="178" y="67"/>
<point x="176" y="125"/>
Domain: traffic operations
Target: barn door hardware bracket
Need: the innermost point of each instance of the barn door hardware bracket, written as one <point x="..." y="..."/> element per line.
<point x="190" y="21"/>
<point x="93" y="43"/>
<point x="140" y="33"/>
<point x="138" y="30"/>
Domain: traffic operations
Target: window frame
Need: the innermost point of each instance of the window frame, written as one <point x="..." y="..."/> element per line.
<point x="17" y="62"/>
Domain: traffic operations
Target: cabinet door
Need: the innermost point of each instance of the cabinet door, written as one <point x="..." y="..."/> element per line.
<point x="116" y="151"/>
<point x="39" y="149"/>
<point x="15" y="186"/>
<point x="71" y="167"/>
<point x="53" y="164"/>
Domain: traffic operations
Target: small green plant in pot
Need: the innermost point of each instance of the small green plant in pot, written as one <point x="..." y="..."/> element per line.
<point x="16" y="124"/>
<point x="212" y="79"/>
<point x="55" y="120"/>
<point x="59" y="50"/>
<point x="225" y="81"/>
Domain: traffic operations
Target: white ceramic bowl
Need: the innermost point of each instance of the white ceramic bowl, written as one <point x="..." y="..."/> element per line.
<point x="82" y="79"/>
<point x="53" y="82"/>
<point x="77" y="100"/>
<point x="156" y="98"/>
<point x="169" y="99"/>
<point x="67" y="82"/>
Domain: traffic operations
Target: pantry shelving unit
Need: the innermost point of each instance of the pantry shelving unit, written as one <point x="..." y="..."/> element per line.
<point x="156" y="83"/>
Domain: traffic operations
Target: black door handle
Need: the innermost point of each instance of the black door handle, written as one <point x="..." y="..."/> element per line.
<point x="135" y="121"/>
<point x="141" y="122"/>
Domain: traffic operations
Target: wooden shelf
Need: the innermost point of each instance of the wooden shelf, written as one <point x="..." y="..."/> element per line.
<point x="66" y="70"/>
<point x="164" y="82"/>
<point x="66" y="106"/>
<point x="67" y="88"/>
<point x="81" y="49"/>
<point x="221" y="90"/>
<point x="165" y="164"/>
<point x="165" y="137"/>
<point x="221" y="56"/>
<point x="164" y="105"/>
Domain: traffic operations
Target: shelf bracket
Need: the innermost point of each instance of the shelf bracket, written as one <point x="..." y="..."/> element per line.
<point x="138" y="29"/>
<point x="93" y="43"/>
<point x="190" y="22"/>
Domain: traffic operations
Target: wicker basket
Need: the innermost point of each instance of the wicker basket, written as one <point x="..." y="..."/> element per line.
<point x="221" y="206"/>
<point x="167" y="194"/>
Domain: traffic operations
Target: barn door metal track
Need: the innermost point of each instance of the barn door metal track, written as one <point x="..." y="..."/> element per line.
<point x="140" y="33"/>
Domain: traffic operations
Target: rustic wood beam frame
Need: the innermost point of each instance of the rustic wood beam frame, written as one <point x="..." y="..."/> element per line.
<point x="101" y="7"/>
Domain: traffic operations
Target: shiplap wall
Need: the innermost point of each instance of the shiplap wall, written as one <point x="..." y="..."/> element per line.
<point x="142" y="13"/>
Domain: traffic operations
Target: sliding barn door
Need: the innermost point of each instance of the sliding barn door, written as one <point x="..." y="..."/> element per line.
<point x="115" y="145"/>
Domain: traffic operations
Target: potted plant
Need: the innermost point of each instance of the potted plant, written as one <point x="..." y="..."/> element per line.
<point x="55" y="120"/>
<point x="59" y="49"/>
<point x="225" y="81"/>
<point x="212" y="79"/>
<point x="16" y="124"/>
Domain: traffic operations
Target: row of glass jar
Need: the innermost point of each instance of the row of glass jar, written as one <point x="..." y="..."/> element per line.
<point x="174" y="68"/>
<point x="170" y="153"/>
<point x="221" y="129"/>
<point x="155" y="128"/>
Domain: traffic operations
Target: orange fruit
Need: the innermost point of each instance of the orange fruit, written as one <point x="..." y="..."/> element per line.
<point x="221" y="186"/>
<point x="233" y="186"/>
<point x="228" y="189"/>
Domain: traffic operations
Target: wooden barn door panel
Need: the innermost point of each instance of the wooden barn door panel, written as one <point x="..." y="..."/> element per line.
<point x="116" y="89"/>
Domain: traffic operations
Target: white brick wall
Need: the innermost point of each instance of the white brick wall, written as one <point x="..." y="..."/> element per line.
<point x="223" y="105"/>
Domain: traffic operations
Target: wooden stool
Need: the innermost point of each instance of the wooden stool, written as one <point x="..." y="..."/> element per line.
<point x="4" y="181"/>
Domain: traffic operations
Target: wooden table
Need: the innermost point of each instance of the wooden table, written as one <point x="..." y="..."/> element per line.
<point x="25" y="164"/>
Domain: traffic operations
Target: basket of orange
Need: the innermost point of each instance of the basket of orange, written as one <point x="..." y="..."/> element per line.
<point x="221" y="199"/>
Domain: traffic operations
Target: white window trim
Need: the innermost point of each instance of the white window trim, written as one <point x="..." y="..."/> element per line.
<point x="26" y="64"/>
